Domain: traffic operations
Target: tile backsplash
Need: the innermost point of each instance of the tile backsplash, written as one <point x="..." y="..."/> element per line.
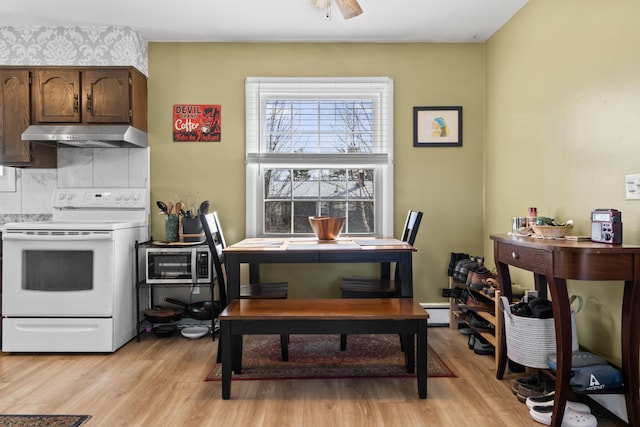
<point x="77" y="167"/>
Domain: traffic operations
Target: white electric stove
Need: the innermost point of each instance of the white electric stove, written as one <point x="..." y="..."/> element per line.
<point x="69" y="284"/>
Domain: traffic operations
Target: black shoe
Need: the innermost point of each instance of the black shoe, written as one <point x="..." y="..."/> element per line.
<point x="516" y="368"/>
<point x="483" y="348"/>
<point x="481" y="324"/>
<point x="455" y="257"/>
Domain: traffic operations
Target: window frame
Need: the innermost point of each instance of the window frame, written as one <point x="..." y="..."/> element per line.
<point x="258" y="89"/>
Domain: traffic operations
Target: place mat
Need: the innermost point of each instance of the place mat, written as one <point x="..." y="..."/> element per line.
<point x="323" y="246"/>
<point x="379" y="242"/>
<point x="258" y="244"/>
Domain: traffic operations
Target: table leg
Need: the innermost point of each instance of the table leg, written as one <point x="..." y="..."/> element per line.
<point x="421" y="359"/>
<point x="232" y="266"/>
<point x="561" y="317"/>
<point x="406" y="275"/>
<point x="505" y="291"/>
<point x="631" y="348"/>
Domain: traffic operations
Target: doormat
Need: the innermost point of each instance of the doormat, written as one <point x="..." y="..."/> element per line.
<point x="319" y="356"/>
<point x="43" y="420"/>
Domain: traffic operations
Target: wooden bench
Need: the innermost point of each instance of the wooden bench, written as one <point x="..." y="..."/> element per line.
<point x="402" y="316"/>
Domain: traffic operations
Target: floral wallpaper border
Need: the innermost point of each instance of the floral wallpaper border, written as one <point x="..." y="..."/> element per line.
<point x="74" y="45"/>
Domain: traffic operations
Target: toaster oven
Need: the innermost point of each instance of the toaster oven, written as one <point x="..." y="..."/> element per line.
<point x="178" y="265"/>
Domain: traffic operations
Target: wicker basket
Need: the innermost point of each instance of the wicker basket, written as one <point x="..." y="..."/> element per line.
<point x="531" y="340"/>
<point x="552" y="231"/>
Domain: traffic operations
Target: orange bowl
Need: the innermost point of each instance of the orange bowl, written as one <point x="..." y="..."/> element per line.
<point x="327" y="227"/>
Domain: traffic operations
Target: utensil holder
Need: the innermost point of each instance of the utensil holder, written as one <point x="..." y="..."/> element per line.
<point x="171" y="226"/>
<point x="192" y="230"/>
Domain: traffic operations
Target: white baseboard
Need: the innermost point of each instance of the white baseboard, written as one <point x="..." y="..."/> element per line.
<point x="614" y="403"/>
<point x="438" y="313"/>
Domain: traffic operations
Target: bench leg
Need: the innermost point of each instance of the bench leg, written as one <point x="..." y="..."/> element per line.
<point x="409" y="352"/>
<point x="227" y="356"/>
<point x="284" y="347"/>
<point x="421" y="359"/>
<point x="236" y="343"/>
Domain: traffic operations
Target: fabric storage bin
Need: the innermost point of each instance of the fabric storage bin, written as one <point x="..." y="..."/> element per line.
<point x="531" y="340"/>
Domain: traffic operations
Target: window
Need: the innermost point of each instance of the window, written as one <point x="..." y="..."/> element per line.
<point x="319" y="146"/>
<point x="7" y="179"/>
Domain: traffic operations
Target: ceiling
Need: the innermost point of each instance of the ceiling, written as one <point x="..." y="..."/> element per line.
<point x="274" y="20"/>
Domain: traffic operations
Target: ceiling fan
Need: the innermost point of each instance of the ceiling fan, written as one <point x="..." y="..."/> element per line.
<point x="348" y="8"/>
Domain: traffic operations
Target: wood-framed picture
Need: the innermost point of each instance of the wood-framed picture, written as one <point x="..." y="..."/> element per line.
<point x="437" y="126"/>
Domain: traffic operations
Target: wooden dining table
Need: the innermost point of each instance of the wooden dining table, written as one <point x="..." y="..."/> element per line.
<point x="257" y="251"/>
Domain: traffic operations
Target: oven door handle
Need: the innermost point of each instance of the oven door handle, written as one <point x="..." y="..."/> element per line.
<point x="66" y="237"/>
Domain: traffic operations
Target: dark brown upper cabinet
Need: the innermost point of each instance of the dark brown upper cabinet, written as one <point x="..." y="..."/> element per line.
<point x="91" y="96"/>
<point x="14" y="119"/>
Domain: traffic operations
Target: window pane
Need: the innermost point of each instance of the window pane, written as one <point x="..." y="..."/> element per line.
<point x="303" y="210"/>
<point x="361" y="184"/>
<point x="277" y="184"/>
<point x="277" y="217"/>
<point x="361" y="217"/>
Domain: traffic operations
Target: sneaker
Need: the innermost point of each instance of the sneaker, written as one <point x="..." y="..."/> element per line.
<point x="471" y="342"/>
<point x="482" y="346"/>
<point x="541" y="402"/>
<point x="526" y="390"/>
<point x="533" y="380"/>
<point x="571" y="418"/>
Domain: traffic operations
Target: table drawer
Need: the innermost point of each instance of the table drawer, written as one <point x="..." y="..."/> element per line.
<point x="522" y="257"/>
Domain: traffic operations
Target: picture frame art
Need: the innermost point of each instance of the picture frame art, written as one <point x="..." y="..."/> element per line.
<point x="197" y="123"/>
<point x="437" y="126"/>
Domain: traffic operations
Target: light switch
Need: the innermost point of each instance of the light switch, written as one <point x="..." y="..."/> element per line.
<point x="632" y="187"/>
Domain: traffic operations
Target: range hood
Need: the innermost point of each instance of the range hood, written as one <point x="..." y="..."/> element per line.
<point x="87" y="136"/>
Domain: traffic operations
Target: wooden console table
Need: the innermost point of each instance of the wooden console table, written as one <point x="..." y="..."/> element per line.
<point x="552" y="263"/>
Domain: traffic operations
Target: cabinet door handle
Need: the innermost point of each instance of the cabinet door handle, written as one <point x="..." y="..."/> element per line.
<point x="89" y="103"/>
<point x="76" y="102"/>
<point x="514" y="255"/>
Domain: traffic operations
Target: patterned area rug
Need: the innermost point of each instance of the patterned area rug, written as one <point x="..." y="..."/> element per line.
<point x="319" y="356"/>
<point x="43" y="420"/>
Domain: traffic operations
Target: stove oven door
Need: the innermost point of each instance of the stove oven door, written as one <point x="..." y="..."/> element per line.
<point x="58" y="274"/>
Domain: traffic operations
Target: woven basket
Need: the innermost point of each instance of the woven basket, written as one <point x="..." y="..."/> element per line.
<point x="530" y="340"/>
<point x="552" y="231"/>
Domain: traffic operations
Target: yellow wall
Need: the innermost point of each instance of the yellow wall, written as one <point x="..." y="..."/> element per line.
<point x="562" y="109"/>
<point x="445" y="183"/>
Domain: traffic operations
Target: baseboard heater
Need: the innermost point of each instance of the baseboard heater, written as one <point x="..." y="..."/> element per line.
<point x="438" y="313"/>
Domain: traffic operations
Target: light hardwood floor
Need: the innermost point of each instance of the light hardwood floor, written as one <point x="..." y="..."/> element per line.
<point x="160" y="382"/>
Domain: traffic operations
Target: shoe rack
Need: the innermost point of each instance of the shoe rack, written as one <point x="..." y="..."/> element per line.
<point x="493" y="314"/>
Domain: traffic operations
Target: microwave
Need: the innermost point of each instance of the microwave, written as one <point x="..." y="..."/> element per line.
<point x="178" y="265"/>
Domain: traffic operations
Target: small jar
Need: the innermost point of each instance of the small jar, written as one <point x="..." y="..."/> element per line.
<point x="531" y="217"/>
